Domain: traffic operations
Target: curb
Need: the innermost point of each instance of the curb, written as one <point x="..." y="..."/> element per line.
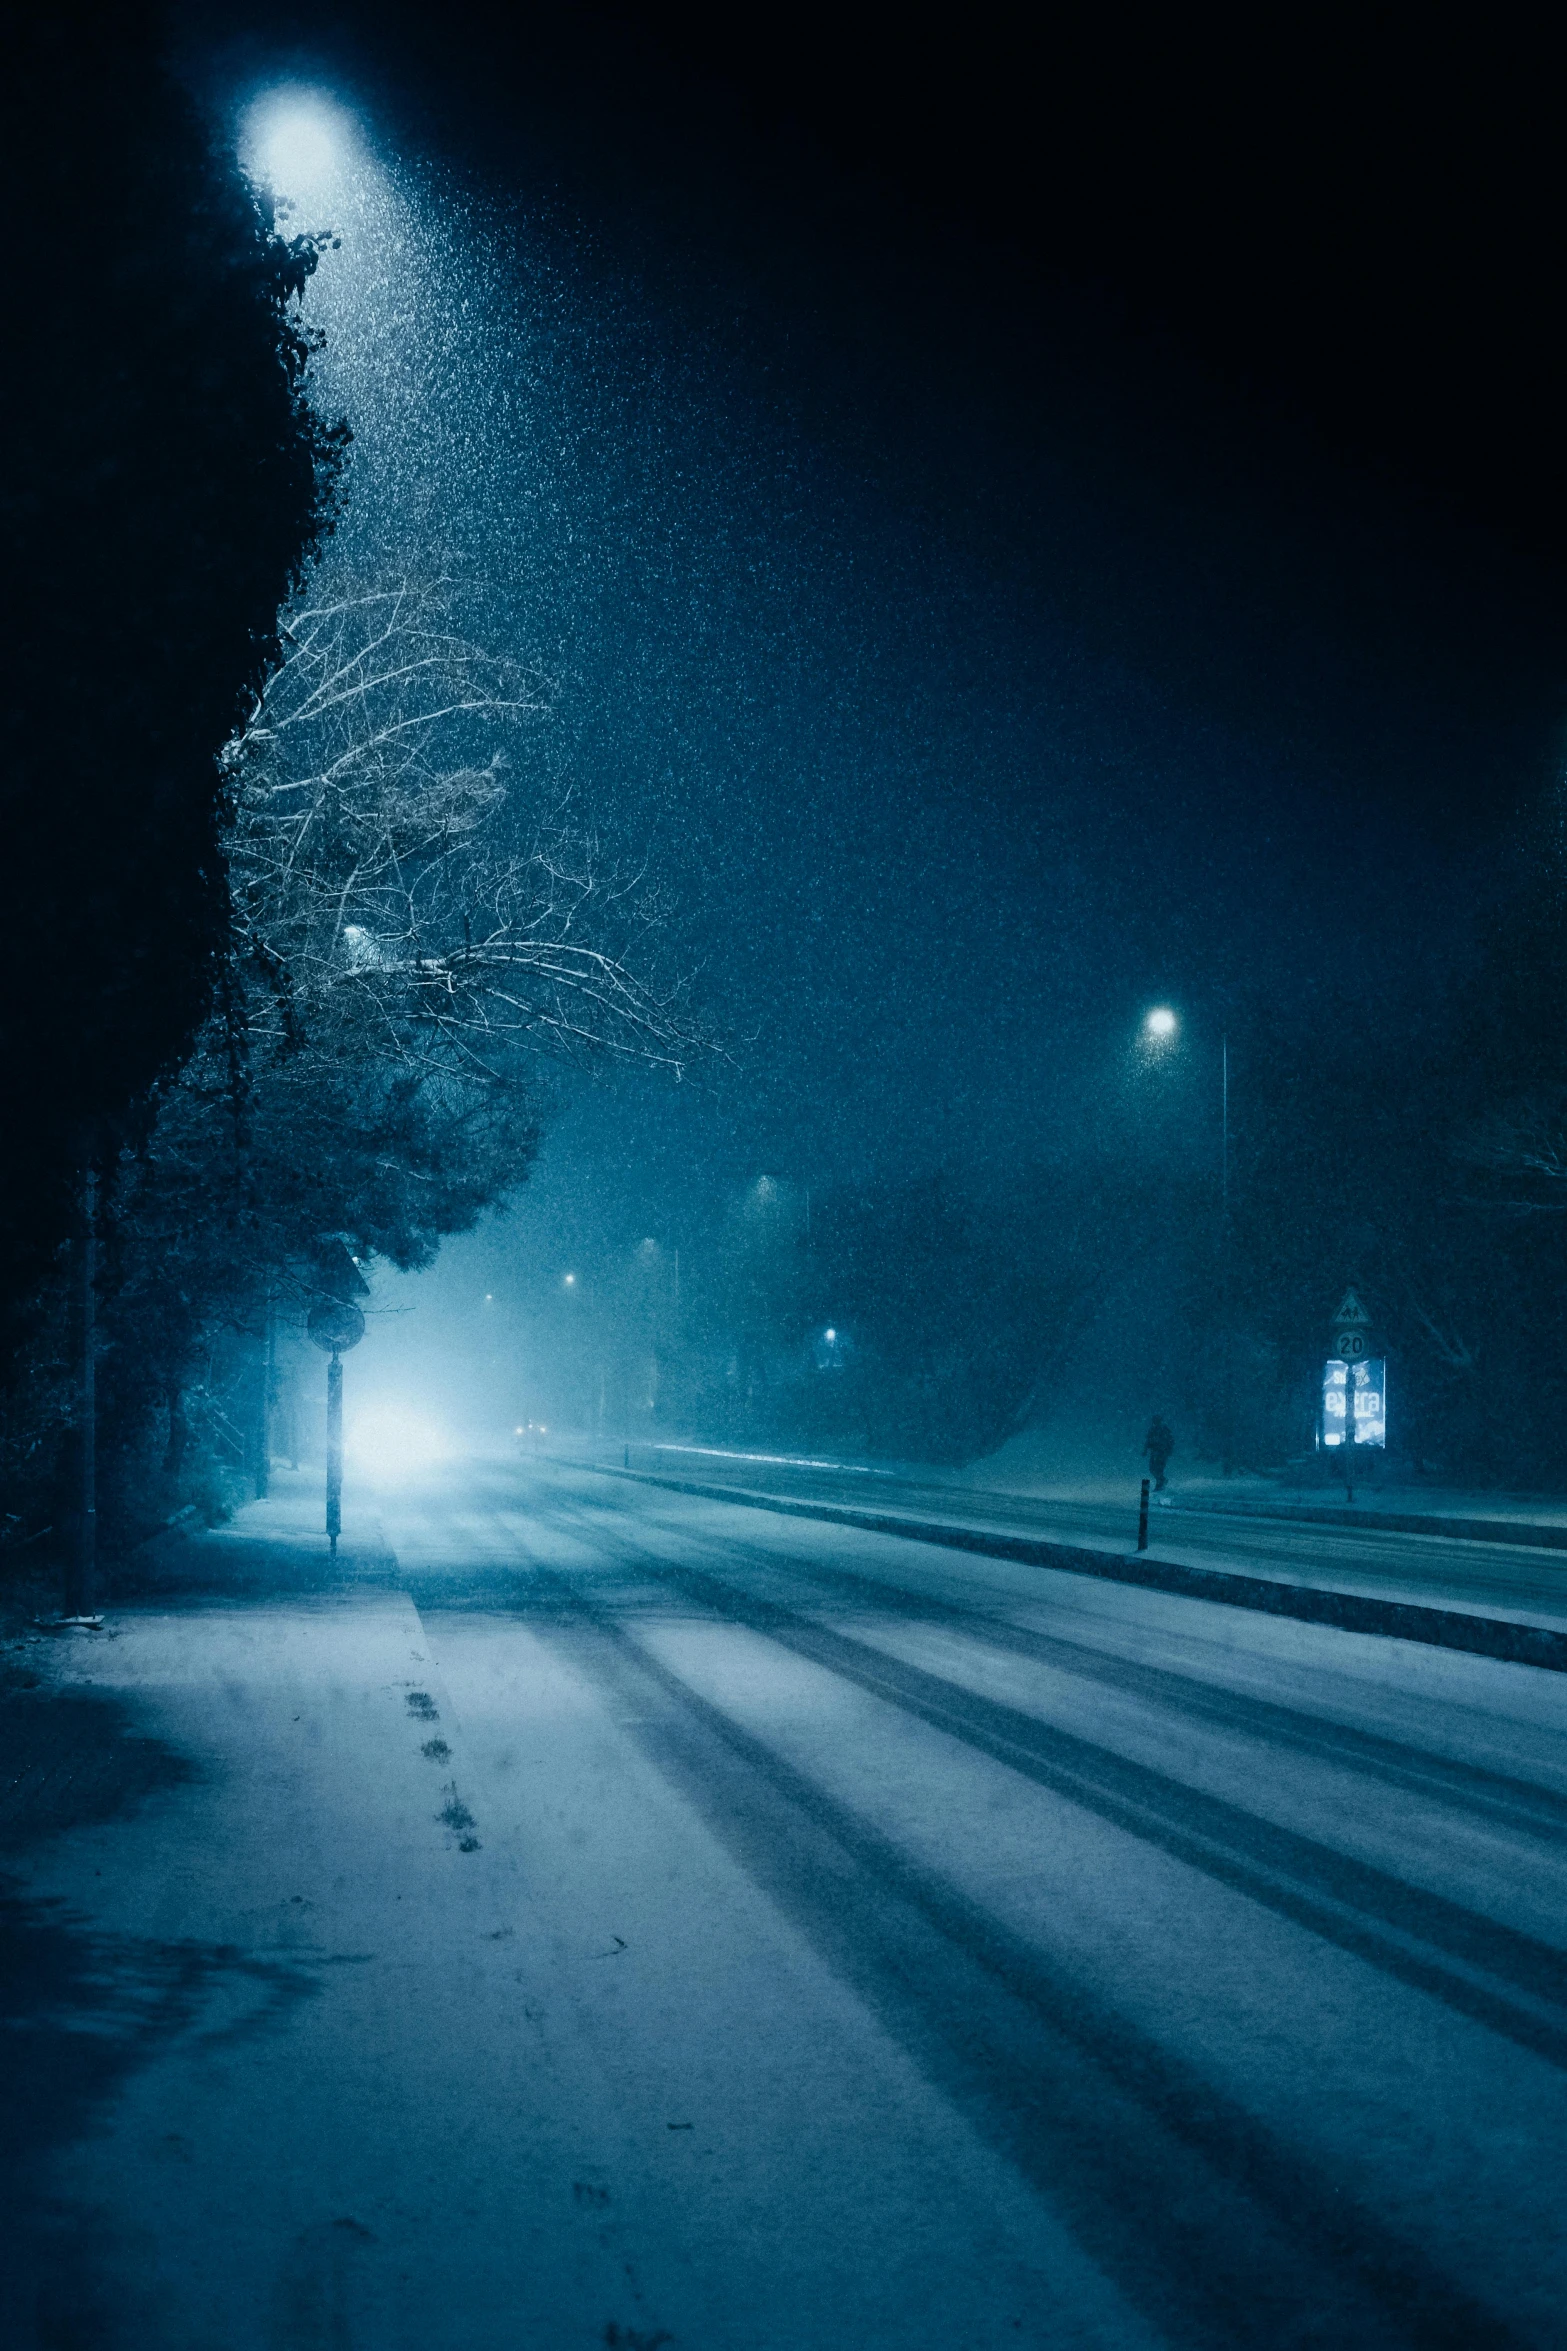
<point x="1347" y="1612"/>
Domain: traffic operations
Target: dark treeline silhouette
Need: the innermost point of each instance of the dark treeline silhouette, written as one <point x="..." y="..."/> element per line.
<point x="1416" y="1150"/>
<point x="413" y="933"/>
<point x="166" y="479"/>
<point x="1421" y="1159"/>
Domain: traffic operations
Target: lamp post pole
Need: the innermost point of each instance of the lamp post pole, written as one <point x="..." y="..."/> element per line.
<point x="1160" y="1030"/>
<point x="262" y="1430"/>
<point x="82" y="1568"/>
<point x="334" y="1450"/>
<point x="1225" y="1333"/>
<point x="336" y="1324"/>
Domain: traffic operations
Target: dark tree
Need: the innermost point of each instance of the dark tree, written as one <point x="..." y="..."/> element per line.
<point x="166" y="478"/>
<point x="413" y="936"/>
<point x="914" y="1318"/>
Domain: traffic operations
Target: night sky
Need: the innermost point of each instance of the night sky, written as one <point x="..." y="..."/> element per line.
<point x="1014" y="533"/>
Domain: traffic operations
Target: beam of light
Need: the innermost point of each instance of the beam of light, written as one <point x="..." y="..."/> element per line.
<point x="859" y="1469"/>
<point x="389" y="1442"/>
<point x="299" y="143"/>
<point x="1160" y="1025"/>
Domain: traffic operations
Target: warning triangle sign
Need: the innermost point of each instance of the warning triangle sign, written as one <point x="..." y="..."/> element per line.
<point x="1350" y="1309"/>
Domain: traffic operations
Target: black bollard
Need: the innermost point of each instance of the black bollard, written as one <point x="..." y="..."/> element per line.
<point x="1142" y="1519"/>
<point x="334" y="1450"/>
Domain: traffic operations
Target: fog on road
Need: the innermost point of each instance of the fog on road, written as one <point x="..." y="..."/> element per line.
<point x="602" y="1916"/>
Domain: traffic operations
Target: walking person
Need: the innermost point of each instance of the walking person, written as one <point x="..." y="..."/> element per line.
<point x="1159" y="1444"/>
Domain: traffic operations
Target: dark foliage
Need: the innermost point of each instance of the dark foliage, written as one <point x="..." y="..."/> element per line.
<point x="408" y="941"/>
<point x="942" y="1318"/>
<point x="166" y="478"/>
<point x="913" y="1319"/>
<point x="1429" y="1171"/>
<point x="1432" y="1173"/>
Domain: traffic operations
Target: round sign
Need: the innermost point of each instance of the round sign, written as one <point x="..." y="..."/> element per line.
<point x="335" y="1324"/>
<point x="1352" y="1345"/>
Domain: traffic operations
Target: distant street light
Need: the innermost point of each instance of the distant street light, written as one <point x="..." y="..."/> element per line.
<point x="1161" y="1026"/>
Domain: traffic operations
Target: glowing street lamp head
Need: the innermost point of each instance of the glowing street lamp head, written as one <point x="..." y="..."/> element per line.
<point x="298" y="143"/>
<point x="1161" y="1025"/>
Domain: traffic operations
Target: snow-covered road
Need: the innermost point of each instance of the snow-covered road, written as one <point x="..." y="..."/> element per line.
<point x="1489" y="1577"/>
<point x="634" y="1920"/>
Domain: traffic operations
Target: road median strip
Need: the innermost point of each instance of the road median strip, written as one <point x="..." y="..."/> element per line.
<point x="1515" y="1643"/>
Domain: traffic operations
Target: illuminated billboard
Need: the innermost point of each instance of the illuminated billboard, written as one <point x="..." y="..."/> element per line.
<point x="1370" y="1394"/>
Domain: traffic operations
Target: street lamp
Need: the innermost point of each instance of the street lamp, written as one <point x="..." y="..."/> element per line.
<point x="298" y="141"/>
<point x="1160" y="1030"/>
<point x="336" y="1324"/>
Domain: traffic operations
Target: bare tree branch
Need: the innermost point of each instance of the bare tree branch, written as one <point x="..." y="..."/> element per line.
<point x="381" y="891"/>
<point x="1526" y="1144"/>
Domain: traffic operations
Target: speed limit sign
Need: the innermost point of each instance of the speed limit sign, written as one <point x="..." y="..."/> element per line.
<point x="1351" y="1345"/>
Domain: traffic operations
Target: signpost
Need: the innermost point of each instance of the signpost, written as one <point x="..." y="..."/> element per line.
<point x="335" y="1324"/>
<point x="1354" y="1388"/>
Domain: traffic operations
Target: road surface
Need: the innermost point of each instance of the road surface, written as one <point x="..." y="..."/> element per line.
<point x="606" y="1918"/>
<point x="1485" y="1577"/>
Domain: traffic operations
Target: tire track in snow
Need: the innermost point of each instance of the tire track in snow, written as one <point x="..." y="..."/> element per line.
<point x="1488" y="1795"/>
<point x="1226" y="2237"/>
<point x="1493" y="1974"/>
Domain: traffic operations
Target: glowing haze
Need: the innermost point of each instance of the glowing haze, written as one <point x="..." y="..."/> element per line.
<point x="301" y="145"/>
